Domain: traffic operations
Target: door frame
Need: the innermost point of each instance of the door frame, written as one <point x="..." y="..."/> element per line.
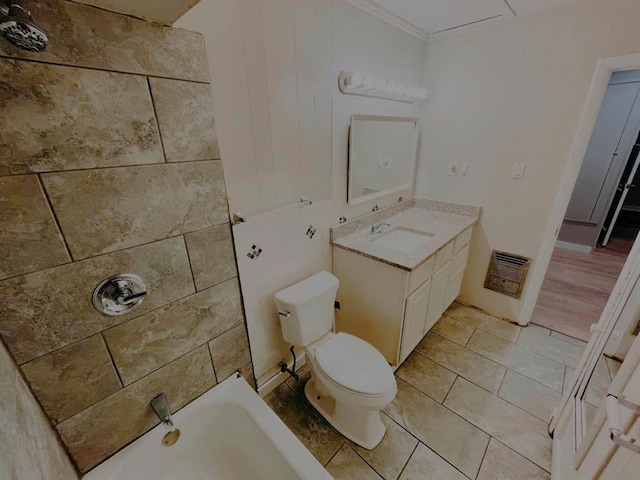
<point x="590" y="111"/>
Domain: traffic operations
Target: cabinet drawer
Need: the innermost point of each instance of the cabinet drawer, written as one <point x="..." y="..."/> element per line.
<point x="463" y="239"/>
<point x="453" y="290"/>
<point x="459" y="263"/>
<point x="420" y="274"/>
<point x="444" y="255"/>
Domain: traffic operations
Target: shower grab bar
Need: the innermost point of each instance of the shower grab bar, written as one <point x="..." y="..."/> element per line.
<point x="237" y="218"/>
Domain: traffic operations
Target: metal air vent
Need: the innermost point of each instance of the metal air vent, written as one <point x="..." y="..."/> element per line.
<point x="507" y="273"/>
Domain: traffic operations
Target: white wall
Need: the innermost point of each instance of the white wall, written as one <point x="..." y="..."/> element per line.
<point x="274" y="67"/>
<point x="514" y="91"/>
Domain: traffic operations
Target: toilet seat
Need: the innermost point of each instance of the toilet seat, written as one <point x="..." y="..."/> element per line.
<point x="353" y="364"/>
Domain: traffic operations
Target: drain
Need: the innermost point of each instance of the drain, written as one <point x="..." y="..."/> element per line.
<point x="171" y="438"/>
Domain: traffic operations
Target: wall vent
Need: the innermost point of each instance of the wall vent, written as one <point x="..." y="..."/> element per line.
<point x="507" y="273"/>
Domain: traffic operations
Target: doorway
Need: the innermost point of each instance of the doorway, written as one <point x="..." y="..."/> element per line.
<point x="602" y="219"/>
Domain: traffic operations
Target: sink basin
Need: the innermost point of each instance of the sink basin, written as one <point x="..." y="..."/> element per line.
<point x="403" y="239"/>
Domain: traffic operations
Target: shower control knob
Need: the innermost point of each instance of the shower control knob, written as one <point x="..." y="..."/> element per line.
<point x="120" y="294"/>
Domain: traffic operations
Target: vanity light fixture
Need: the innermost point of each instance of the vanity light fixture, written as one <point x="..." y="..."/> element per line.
<point x="357" y="83"/>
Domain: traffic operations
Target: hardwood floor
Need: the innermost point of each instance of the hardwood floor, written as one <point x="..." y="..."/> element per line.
<point x="577" y="286"/>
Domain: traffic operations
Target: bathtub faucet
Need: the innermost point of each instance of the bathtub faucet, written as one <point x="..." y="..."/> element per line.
<point x="161" y="407"/>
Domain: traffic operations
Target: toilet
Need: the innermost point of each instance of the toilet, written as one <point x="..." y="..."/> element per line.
<point x="350" y="380"/>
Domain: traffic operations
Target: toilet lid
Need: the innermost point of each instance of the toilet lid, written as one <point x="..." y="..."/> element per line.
<point x="355" y="365"/>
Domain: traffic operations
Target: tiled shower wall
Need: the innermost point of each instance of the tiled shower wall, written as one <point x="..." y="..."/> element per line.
<point x="109" y="164"/>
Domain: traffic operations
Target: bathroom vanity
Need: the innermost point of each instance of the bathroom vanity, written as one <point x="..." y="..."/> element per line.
<point x="399" y="269"/>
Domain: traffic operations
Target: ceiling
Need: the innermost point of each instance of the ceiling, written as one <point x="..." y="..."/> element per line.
<point x="158" y="11"/>
<point x="435" y="16"/>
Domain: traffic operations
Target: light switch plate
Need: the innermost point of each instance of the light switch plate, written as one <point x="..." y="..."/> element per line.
<point x="517" y="171"/>
<point x="453" y="169"/>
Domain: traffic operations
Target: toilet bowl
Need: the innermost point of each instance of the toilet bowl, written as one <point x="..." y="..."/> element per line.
<point x="350" y="380"/>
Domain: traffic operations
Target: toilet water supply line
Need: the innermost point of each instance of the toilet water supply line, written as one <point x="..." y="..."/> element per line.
<point x="292" y="371"/>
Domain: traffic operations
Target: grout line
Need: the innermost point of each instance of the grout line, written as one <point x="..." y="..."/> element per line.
<point x="57" y="222"/>
<point x="336" y="453"/>
<point x="451" y="388"/>
<point x="510" y="8"/>
<point x="193" y="277"/>
<point x="113" y="361"/>
<point x="155" y="116"/>
<point x="409" y="459"/>
<point x="504" y="375"/>
<point x="486" y="449"/>
<point x="98" y="69"/>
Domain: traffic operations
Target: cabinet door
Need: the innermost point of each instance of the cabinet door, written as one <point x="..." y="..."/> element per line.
<point x="415" y="313"/>
<point x="439" y="284"/>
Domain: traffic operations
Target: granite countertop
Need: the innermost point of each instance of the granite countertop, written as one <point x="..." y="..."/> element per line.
<point x="444" y="221"/>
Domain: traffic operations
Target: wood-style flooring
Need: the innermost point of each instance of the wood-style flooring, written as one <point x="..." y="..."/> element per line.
<point x="577" y="286"/>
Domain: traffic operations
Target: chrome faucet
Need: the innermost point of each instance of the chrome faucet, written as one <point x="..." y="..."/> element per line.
<point x="161" y="407"/>
<point x="379" y="227"/>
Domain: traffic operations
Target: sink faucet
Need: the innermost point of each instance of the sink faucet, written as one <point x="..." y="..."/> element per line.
<point x="379" y="227"/>
<point x="160" y="405"/>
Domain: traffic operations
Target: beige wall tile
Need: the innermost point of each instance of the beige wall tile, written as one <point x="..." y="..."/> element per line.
<point x="453" y="330"/>
<point x="76" y="118"/>
<point x="427" y="376"/>
<point x="90" y="37"/>
<point x="230" y="351"/>
<point x="502" y="462"/>
<point x="424" y="464"/>
<point x="529" y="395"/>
<point x="144" y="344"/>
<point x="392" y="453"/>
<point x="50" y="309"/>
<point x="212" y="256"/>
<point x="30" y="239"/>
<point x="185" y="116"/>
<point x="8" y="417"/>
<point x="102" y="429"/>
<point x="522" y="360"/>
<point x="450" y="436"/>
<point x="311" y="429"/>
<point x="477" y="318"/>
<point x="135" y="205"/>
<point x="347" y="465"/>
<point x="516" y="428"/>
<point x="473" y="367"/>
<point x="73" y="378"/>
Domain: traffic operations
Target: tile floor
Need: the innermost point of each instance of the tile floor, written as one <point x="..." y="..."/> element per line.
<point x="473" y="402"/>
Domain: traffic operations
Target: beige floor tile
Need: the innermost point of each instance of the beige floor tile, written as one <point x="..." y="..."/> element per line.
<point x="479" y="319"/>
<point x="470" y="365"/>
<point x="614" y="366"/>
<point x="602" y="369"/>
<point x="538" y="328"/>
<point x="529" y="395"/>
<point x="518" y="358"/>
<point x="347" y="465"/>
<point x="424" y="464"/>
<point x="307" y="424"/>
<point x="454" y="330"/>
<point x="391" y="455"/>
<point x="567" y="338"/>
<point x="551" y="347"/>
<point x="502" y="463"/>
<point x="450" y="436"/>
<point x="516" y="428"/>
<point x="568" y="378"/>
<point x="427" y="376"/>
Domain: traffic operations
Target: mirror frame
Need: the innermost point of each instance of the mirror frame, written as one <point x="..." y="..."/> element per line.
<point x="414" y="157"/>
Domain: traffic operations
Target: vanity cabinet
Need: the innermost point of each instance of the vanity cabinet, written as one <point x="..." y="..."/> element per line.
<point x="393" y="308"/>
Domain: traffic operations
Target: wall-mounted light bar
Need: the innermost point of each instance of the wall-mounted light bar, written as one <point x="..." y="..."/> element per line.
<point x="357" y="83"/>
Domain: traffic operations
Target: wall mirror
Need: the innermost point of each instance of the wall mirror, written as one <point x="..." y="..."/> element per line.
<point x="382" y="156"/>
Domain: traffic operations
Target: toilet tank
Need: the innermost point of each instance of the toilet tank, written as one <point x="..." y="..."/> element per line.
<point x="310" y="303"/>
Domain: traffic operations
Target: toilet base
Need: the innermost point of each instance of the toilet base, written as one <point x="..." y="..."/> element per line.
<point x="363" y="427"/>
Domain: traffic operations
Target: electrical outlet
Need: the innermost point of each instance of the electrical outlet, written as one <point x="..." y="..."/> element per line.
<point x="453" y="169"/>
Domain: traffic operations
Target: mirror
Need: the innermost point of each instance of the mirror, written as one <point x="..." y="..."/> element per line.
<point x="382" y="156"/>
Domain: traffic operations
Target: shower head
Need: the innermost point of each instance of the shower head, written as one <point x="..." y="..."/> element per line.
<point x="17" y="27"/>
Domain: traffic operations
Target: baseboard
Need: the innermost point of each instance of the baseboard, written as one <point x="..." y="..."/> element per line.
<point x="574" y="246"/>
<point x="270" y="385"/>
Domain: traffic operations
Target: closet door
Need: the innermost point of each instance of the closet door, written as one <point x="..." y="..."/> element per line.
<point x="609" y="146"/>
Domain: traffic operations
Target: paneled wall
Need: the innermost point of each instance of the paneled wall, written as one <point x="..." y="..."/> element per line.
<point x="109" y="164"/>
<point x="284" y="129"/>
<point x="514" y="91"/>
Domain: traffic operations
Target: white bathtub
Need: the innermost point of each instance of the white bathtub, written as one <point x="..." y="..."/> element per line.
<point x="228" y="433"/>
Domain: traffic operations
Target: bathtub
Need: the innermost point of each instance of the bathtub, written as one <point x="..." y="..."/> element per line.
<point x="228" y="433"/>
